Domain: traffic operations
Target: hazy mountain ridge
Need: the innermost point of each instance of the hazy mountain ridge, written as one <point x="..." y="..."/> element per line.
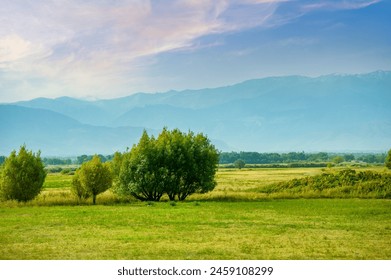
<point x="57" y="134"/>
<point x="196" y="99"/>
<point x="84" y="111"/>
<point x="329" y="113"/>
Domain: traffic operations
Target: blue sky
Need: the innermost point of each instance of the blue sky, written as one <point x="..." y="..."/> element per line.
<point x="105" y="49"/>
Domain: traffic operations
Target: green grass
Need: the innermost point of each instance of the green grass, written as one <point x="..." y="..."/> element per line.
<point x="275" y="229"/>
<point x="57" y="180"/>
<point x="235" y="221"/>
<point x="244" y="184"/>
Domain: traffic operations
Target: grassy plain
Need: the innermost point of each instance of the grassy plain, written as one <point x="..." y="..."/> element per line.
<point x="232" y="222"/>
<point x="275" y="229"/>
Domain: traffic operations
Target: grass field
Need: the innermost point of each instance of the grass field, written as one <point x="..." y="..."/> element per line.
<point x="232" y="222"/>
<point x="276" y="229"/>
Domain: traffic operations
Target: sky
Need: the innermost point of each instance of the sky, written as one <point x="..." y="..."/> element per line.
<point x="100" y="49"/>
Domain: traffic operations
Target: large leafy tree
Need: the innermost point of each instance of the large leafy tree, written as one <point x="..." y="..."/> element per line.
<point x="197" y="169"/>
<point x="92" y="178"/>
<point x="141" y="174"/>
<point x="175" y="163"/>
<point x="22" y="175"/>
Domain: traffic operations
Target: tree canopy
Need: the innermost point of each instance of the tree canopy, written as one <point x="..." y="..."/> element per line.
<point x="175" y="163"/>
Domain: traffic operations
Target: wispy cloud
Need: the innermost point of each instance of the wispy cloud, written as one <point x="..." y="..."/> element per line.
<point x="92" y="45"/>
<point x="89" y="43"/>
<point x="338" y="5"/>
<point x="13" y="48"/>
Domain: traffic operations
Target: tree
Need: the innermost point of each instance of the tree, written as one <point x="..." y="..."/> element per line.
<point x="22" y="175"/>
<point x="239" y="163"/>
<point x="175" y="163"/>
<point x="193" y="164"/>
<point x="349" y="157"/>
<point x="140" y="173"/>
<point x="338" y="159"/>
<point x="83" y="158"/>
<point x="92" y="178"/>
<point x="388" y="160"/>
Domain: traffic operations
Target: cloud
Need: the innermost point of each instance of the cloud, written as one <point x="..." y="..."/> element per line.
<point x="96" y="43"/>
<point x="96" y="46"/>
<point x="14" y="49"/>
<point x="134" y="28"/>
<point x="338" y="5"/>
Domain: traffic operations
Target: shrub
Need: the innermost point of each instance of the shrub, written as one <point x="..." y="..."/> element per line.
<point x="66" y="171"/>
<point x="78" y="189"/>
<point x="22" y="175"/>
<point x="346" y="183"/>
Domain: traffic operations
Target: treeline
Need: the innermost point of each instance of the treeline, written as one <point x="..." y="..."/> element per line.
<point x="292" y="157"/>
<point x="68" y="161"/>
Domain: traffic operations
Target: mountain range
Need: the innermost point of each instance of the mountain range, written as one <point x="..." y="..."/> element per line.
<point x="289" y="113"/>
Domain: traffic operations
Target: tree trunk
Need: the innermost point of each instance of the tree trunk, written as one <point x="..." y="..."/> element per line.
<point x="93" y="199"/>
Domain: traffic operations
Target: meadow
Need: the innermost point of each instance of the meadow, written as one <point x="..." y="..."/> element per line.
<point x="235" y="221"/>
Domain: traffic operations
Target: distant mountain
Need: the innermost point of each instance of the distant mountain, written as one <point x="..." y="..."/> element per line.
<point x="83" y="111"/>
<point x="59" y="135"/>
<point x="292" y="113"/>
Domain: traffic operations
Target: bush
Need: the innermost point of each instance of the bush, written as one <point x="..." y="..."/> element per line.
<point x="346" y="183"/>
<point x="78" y="189"/>
<point x="22" y="175"/>
<point x="55" y="169"/>
<point x="66" y="171"/>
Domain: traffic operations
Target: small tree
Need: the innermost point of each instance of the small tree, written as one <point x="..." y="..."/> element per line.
<point x="239" y="163"/>
<point x="338" y="159"/>
<point x="22" y="175"/>
<point x="349" y="157"/>
<point x="388" y="160"/>
<point x="92" y="178"/>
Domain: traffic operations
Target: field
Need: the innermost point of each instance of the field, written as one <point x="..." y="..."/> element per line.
<point x="234" y="221"/>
